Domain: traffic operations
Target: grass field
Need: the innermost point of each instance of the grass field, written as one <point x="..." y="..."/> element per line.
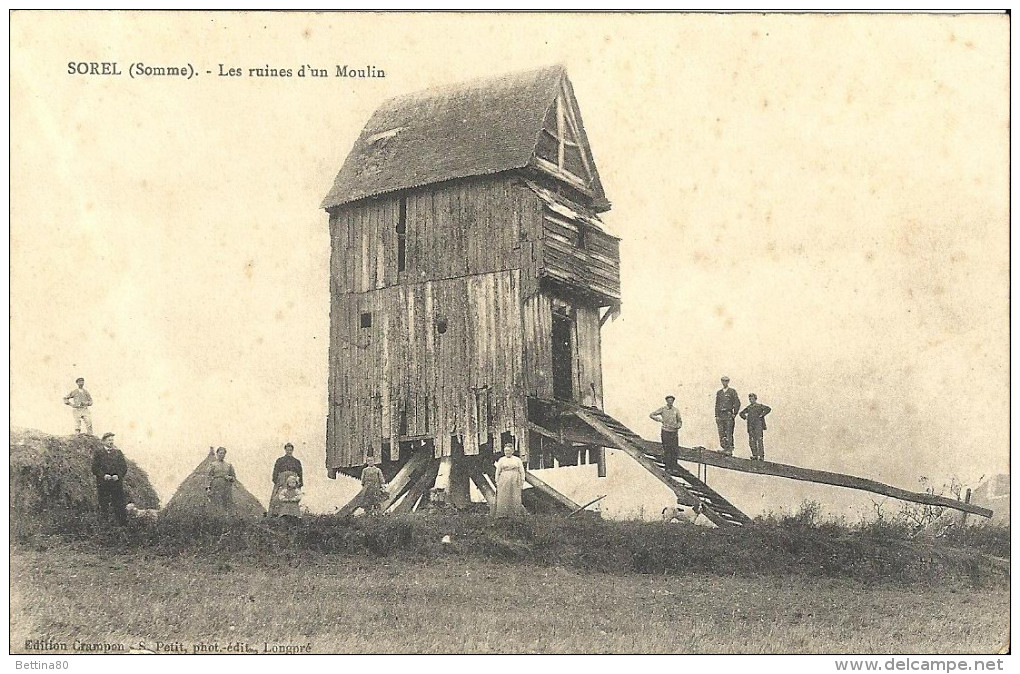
<point x="465" y="604"/>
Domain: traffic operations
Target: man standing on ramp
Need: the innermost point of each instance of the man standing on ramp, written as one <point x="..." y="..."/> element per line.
<point x="755" y="413"/>
<point x="669" y="417"/>
<point x="727" y="404"/>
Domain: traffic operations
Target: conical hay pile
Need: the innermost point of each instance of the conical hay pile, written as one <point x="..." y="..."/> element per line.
<point x="191" y="500"/>
<point x="50" y="473"/>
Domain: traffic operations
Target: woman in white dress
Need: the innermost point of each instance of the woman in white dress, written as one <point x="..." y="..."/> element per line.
<point x="509" y="483"/>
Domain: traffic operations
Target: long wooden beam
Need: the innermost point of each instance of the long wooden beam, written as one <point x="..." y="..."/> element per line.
<point x="591" y="502"/>
<point x="538" y="484"/>
<point x="634" y="452"/>
<point x="488" y="493"/>
<point x="543" y="431"/>
<point x="441" y="490"/>
<point x="708" y="457"/>
<point x="572" y="432"/>
<point x="477" y="476"/>
<point x="397" y="486"/>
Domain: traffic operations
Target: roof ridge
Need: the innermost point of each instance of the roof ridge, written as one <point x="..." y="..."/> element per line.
<point x="478" y="127"/>
<point x="481" y="82"/>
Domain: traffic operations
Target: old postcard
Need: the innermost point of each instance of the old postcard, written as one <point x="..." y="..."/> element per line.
<point x="568" y="333"/>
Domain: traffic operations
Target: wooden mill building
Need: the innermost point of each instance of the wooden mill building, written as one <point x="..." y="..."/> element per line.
<point x="470" y="278"/>
<point x="469" y="272"/>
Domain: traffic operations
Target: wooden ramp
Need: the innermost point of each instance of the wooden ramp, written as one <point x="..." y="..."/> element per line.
<point x="720" y="460"/>
<point x="687" y="487"/>
<point x="569" y="423"/>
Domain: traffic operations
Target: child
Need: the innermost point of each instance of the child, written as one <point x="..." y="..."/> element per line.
<point x="289" y="499"/>
<point x="373" y="489"/>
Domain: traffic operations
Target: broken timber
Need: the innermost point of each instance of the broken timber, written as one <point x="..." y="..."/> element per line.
<point x="398" y="485"/>
<point x="419" y="487"/>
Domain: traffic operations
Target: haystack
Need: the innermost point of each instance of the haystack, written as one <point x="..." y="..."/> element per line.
<point x="51" y="475"/>
<point x="191" y="500"/>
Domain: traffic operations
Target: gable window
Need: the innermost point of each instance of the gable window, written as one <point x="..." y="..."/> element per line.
<point x="366" y="319"/>
<point x="402" y="235"/>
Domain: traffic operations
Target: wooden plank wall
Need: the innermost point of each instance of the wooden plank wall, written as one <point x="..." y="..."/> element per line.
<point x="596" y="266"/>
<point x="587" y="362"/>
<point x="401" y="377"/>
<point x="537" y="314"/>
<point x="587" y="355"/>
<point x="454" y="229"/>
<point x="475" y="252"/>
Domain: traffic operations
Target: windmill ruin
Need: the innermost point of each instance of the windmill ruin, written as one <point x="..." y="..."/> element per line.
<point x="470" y="278"/>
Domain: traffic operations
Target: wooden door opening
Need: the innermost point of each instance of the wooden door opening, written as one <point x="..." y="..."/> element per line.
<point x="562" y="356"/>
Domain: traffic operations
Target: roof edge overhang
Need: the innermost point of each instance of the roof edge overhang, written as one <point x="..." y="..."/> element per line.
<point x="332" y="205"/>
<point x="567" y="289"/>
<point x="558" y="84"/>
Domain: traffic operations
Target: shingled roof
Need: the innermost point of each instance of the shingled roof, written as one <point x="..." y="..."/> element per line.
<point x="477" y="128"/>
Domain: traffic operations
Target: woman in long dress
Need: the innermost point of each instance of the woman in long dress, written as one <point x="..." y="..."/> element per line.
<point x="509" y="483"/>
<point x="221" y="483"/>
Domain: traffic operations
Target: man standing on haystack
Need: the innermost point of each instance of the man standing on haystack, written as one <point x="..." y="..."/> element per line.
<point x="80" y="402"/>
<point x="109" y="466"/>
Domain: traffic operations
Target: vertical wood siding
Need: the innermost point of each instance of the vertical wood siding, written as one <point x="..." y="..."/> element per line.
<point x="538" y="346"/>
<point x="454" y="229"/>
<point x="401" y="372"/>
<point x="475" y="253"/>
<point x="587" y="355"/>
<point x="586" y="366"/>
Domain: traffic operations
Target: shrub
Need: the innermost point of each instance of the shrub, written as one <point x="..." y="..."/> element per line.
<point x="777" y="547"/>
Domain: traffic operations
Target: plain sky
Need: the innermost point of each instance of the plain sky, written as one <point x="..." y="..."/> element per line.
<point x="816" y="206"/>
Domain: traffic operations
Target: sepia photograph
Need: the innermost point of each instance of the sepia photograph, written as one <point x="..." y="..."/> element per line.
<point x="510" y="333"/>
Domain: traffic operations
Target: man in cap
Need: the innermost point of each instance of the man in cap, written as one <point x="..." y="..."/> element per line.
<point x="669" y="417"/>
<point x="109" y="467"/>
<point x="80" y="402"/>
<point x="727" y="404"/>
<point x="755" y="413"/>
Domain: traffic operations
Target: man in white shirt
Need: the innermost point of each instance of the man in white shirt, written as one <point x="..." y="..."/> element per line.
<point x="80" y="402"/>
<point x="669" y="417"/>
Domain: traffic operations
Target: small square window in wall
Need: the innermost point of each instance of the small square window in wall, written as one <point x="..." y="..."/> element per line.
<point x="366" y="319"/>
